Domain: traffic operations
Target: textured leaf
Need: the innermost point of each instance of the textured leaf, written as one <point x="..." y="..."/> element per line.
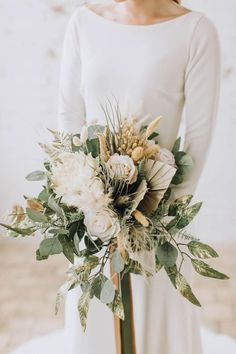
<point x="167" y="254"/>
<point x="185" y="289"/>
<point x="188" y="215"/>
<point x="201" y="250"/>
<point x="91" y="261"/>
<point x="58" y="231"/>
<point x="50" y="246"/>
<point x="108" y="292"/>
<point x="61" y="293"/>
<point x="83" y="307"/>
<point x="36" y="176"/>
<point x="117" y="306"/>
<point x="117" y="262"/>
<point x="23" y="232"/>
<point x="36" y="216"/>
<point x="82" y="273"/>
<point x="179" y="204"/>
<point x="207" y="271"/>
<point x="172" y="273"/>
<point x="138" y="196"/>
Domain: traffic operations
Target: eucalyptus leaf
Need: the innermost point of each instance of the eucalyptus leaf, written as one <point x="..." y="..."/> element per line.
<point x="108" y="292"/>
<point x="117" y="262"/>
<point x="207" y="271"/>
<point x="58" y="231"/>
<point x="186" y="163"/>
<point x="83" y="307"/>
<point x="52" y="204"/>
<point x="36" y="176"/>
<point x="50" y="246"/>
<point x="185" y="289"/>
<point x="176" y="146"/>
<point x="167" y="254"/>
<point x="36" y="216"/>
<point x="43" y="196"/>
<point x="201" y="250"/>
<point x="93" y="147"/>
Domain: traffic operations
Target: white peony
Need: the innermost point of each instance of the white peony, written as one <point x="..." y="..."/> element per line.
<point x="93" y="197"/>
<point x="165" y="156"/>
<point x="122" y="167"/>
<point x="71" y="173"/>
<point x="102" y="224"/>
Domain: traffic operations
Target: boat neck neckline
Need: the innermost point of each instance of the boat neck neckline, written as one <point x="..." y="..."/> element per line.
<point x="126" y="25"/>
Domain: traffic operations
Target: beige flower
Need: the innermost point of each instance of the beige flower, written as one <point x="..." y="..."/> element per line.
<point x="122" y="167"/>
<point x="102" y="224"/>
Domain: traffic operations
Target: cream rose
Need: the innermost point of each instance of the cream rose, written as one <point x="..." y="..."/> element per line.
<point x="122" y="167"/>
<point x="165" y="156"/>
<point x="102" y="224"/>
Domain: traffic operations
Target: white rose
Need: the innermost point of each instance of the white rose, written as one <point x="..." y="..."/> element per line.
<point x="165" y="156"/>
<point x="102" y="224"/>
<point x="122" y="167"/>
<point x="71" y="173"/>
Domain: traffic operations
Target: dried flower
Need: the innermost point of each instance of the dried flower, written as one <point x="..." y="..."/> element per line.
<point x="152" y="126"/>
<point x="34" y="204"/>
<point x="137" y="154"/>
<point x="151" y="150"/>
<point x="140" y="218"/>
<point x="122" y="168"/>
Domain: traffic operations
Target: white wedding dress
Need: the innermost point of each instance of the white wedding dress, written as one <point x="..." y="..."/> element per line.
<point x="173" y="69"/>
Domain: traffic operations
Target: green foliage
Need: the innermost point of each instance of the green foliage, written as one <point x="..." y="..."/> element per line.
<point x="167" y="254"/>
<point x="201" y="250"/>
<point x="36" y="216"/>
<point x="207" y="271"/>
<point x="83" y="307"/>
<point x="36" y="176"/>
<point x="93" y="147"/>
<point x="185" y="289"/>
<point x="179" y="204"/>
<point x="188" y="214"/>
<point x="117" y="262"/>
<point x="176" y="146"/>
<point x="108" y="292"/>
<point x="20" y="231"/>
<point x="50" y="246"/>
<point x="67" y="247"/>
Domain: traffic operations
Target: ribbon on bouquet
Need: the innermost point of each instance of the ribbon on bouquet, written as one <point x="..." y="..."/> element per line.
<point x="124" y="329"/>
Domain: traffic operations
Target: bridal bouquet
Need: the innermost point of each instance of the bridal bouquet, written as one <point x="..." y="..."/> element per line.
<point x="107" y="198"/>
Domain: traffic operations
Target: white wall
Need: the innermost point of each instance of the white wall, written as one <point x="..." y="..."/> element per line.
<point x="31" y="34"/>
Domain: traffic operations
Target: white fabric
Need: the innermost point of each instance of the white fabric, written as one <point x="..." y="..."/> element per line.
<point x="166" y="68"/>
<point x="54" y="343"/>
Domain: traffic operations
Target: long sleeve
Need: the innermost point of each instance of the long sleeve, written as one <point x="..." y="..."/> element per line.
<point x="202" y="91"/>
<point x="71" y="108"/>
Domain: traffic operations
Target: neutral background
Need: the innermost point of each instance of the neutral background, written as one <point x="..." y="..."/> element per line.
<point x="31" y="34"/>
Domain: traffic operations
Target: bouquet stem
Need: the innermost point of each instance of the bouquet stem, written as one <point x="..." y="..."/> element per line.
<point x="124" y="329"/>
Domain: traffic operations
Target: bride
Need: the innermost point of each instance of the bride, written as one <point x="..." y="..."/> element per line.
<point x="158" y="57"/>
